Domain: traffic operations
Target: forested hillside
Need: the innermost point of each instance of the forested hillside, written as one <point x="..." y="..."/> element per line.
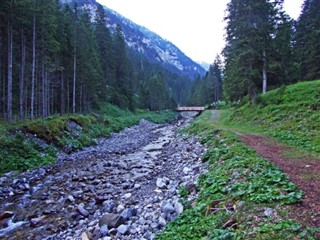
<point x="152" y="46"/>
<point x="62" y="58"/>
<point x="265" y="48"/>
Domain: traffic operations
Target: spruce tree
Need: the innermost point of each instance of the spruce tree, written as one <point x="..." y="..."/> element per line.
<point x="307" y="44"/>
<point x="251" y="27"/>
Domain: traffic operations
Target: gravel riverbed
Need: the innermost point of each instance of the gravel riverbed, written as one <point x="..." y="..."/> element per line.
<point x="125" y="187"/>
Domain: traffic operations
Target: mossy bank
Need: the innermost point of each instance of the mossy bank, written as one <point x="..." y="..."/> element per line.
<point x="31" y="144"/>
<point x="290" y="114"/>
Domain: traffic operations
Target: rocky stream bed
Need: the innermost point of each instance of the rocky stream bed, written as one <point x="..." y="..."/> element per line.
<point x="125" y="187"/>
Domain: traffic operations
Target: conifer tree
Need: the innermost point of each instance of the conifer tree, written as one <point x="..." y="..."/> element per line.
<point x="251" y="27"/>
<point x="307" y="44"/>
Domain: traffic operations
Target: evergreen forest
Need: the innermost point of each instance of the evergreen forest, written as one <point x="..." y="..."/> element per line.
<point x="266" y="49"/>
<point x="56" y="59"/>
<point x="61" y="58"/>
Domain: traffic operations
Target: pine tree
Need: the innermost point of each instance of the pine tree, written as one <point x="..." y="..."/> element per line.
<point x="104" y="41"/>
<point x="89" y="68"/>
<point x="250" y="28"/>
<point x="122" y="94"/>
<point x="307" y="44"/>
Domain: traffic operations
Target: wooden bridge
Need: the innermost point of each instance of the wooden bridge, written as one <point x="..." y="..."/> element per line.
<point x="190" y="109"/>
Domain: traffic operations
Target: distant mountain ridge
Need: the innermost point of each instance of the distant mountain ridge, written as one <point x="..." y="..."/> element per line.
<point x="151" y="45"/>
<point x="154" y="47"/>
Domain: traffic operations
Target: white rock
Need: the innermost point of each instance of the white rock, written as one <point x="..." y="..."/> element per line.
<point x="162" y="222"/>
<point x="178" y="207"/>
<point x="126" y="196"/>
<point x="161" y="183"/>
<point x="123" y="229"/>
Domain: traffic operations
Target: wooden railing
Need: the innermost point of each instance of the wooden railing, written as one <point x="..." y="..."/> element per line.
<point x="198" y="109"/>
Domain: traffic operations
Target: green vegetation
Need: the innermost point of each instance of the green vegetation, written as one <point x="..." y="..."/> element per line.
<point x="207" y="89"/>
<point x="242" y="196"/>
<point x="63" y="62"/>
<point x="265" y="48"/>
<point x="291" y="114"/>
<point x="21" y="149"/>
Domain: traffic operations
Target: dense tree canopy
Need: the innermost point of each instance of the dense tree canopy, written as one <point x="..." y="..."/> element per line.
<point x="307" y="44"/>
<point x="208" y="89"/>
<point x="266" y="49"/>
<point x="58" y="58"/>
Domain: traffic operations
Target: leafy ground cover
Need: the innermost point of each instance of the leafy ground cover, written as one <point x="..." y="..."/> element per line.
<point x="243" y="196"/>
<point x="32" y="144"/>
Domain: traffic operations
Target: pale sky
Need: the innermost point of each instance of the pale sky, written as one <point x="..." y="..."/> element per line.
<point x="196" y="27"/>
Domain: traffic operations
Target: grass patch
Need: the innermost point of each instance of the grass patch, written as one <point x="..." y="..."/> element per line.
<point x="22" y="150"/>
<point x="290" y="114"/>
<point x="236" y="193"/>
<point x="297" y="154"/>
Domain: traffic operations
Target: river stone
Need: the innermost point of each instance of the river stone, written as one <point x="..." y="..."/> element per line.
<point x="35" y="221"/>
<point x="6" y="214"/>
<point x="162" y="222"/>
<point x="186" y="170"/>
<point x="120" y="208"/>
<point x="96" y="233"/>
<point x="127" y="196"/>
<point x="84" y="236"/>
<point x="111" y="220"/>
<point x="82" y="210"/>
<point x="74" y="128"/>
<point x="178" y="207"/>
<point x="108" y="206"/>
<point x="71" y="198"/>
<point x="123" y="229"/>
<point x="104" y="230"/>
<point x="128" y="213"/>
<point x="167" y="207"/>
<point x="161" y="183"/>
<point x="101" y="199"/>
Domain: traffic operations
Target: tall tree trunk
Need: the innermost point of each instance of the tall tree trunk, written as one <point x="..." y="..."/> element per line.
<point x="9" y="103"/>
<point x="74" y="81"/>
<point x="81" y="98"/>
<point x="33" y="67"/>
<point x="74" y="66"/>
<point x="62" y="106"/>
<point x="2" y="78"/>
<point x="25" y="102"/>
<point x="68" y="95"/>
<point x="44" y="88"/>
<point x="22" y="74"/>
<point x="264" y="73"/>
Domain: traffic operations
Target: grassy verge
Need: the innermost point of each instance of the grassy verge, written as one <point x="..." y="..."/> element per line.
<point x="290" y="114"/>
<point x="241" y="197"/>
<point x="20" y="150"/>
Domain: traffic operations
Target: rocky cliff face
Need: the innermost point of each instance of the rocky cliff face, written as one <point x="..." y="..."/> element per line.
<point x="79" y="2"/>
<point x="154" y="47"/>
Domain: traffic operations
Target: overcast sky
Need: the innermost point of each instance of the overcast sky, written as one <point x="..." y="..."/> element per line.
<point x="194" y="26"/>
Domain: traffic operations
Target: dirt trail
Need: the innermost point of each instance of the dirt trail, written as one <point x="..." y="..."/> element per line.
<point x="303" y="171"/>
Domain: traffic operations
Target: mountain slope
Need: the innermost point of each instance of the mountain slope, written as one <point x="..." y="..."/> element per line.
<point x="152" y="46"/>
<point x="155" y="48"/>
